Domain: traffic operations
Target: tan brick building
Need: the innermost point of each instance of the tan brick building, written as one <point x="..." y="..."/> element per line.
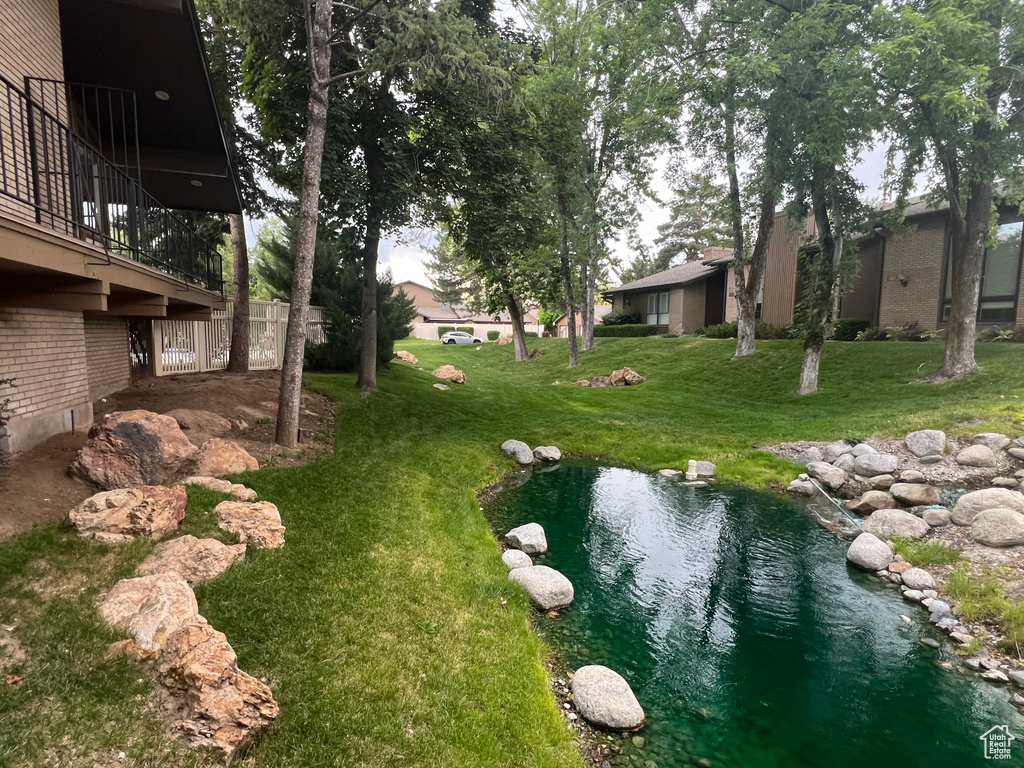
<point x="108" y="125"/>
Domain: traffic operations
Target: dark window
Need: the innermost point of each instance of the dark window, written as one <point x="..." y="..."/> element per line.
<point x="657" y="309"/>
<point x="1000" y="278"/>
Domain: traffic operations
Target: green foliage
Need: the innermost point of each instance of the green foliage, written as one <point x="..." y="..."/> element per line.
<point x="996" y="334"/>
<point x="925" y="553"/>
<point x="493" y="335"/>
<point x="698" y="217"/>
<point x="762" y="330"/>
<point x="443" y="329"/>
<point x="530" y="334"/>
<point x="623" y="316"/>
<point x="978" y="596"/>
<point x="631" y="330"/>
<point x="897" y="333"/>
<point x="847" y="330"/>
<point x="274" y="260"/>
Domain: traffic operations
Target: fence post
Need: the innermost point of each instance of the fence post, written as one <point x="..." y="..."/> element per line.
<point x="202" y="347"/>
<point x="157" y="347"/>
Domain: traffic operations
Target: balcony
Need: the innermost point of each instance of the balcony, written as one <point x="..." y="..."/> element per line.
<point x="66" y="164"/>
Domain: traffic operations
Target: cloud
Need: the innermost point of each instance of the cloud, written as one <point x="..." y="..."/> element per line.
<point x="407" y="261"/>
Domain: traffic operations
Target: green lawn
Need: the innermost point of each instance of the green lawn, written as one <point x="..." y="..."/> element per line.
<point x="386" y="626"/>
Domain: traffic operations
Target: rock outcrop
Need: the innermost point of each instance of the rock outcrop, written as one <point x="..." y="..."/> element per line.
<point x="224" y="457"/>
<point x="151" y="608"/>
<point x="256" y="523"/>
<point x="605" y="700"/>
<point x="143" y="512"/>
<point x="547" y="588"/>
<point x="450" y="373"/>
<point x="130" y="448"/>
<point x="195" y="560"/>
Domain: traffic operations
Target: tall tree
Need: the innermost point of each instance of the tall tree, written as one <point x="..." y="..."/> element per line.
<point x="953" y="71"/>
<point x="698" y="217"/>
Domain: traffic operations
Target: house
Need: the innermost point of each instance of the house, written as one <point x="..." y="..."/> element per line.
<point x="903" y="278"/>
<point x="562" y="323"/>
<point x="109" y="129"/>
<point x="432" y="314"/>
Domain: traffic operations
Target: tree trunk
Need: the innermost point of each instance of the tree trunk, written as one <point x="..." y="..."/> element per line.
<point x="287" y="433"/>
<point x="967" y="256"/>
<point x="744" y="313"/>
<point x="748" y="282"/>
<point x="809" y="367"/>
<point x="238" y="356"/>
<point x="367" y="380"/>
<point x="588" y="286"/>
<point x="518" y="329"/>
<point x="823" y="283"/>
<point x="570" y="306"/>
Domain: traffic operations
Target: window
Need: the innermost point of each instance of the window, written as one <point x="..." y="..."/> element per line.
<point x="999" y="279"/>
<point x="657" y="309"/>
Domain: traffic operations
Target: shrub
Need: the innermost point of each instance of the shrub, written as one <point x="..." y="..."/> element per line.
<point x="622" y="317"/>
<point x="762" y="330"/>
<point x="493" y="335"/>
<point x="443" y="329"/>
<point x="633" y="329"/>
<point x="995" y="334"/>
<point x="721" y="331"/>
<point x="530" y="334"/>
<point x="847" y="330"/>
<point x="897" y="333"/>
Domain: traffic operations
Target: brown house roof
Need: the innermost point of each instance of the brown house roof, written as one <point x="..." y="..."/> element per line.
<point x="684" y="274"/>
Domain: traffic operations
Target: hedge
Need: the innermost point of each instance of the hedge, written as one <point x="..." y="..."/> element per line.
<point x="625" y="330"/>
<point x="443" y="329"/>
<point x="493" y="335"/>
<point x="847" y="330"/>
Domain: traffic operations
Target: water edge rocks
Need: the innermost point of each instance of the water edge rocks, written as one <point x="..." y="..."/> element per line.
<point x="869" y="552"/>
<point x="143" y="512"/>
<point x="926" y="442"/>
<point x="518" y="450"/>
<point x="916" y="494"/>
<point x="993" y="440"/>
<point x="529" y="538"/>
<point x="605" y="700"/>
<point x="870" y="501"/>
<point x="918" y="579"/>
<point x="998" y="528"/>
<point x="257" y="523"/>
<point x="971" y="504"/>
<point x="977" y="456"/>
<point x="547" y="588"/>
<point x="885" y="523"/>
<point x="545" y="453"/>
<point x="516" y="558"/>
<point x="831" y="476"/>
<point x="872" y="464"/>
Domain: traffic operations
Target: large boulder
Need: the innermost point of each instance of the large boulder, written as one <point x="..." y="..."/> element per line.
<point x="998" y="528"/>
<point x="151" y="608"/>
<point x="977" y="456"/>
<point x="833" y="451"/>
<point x="916" y="494"/>
<point x="871" y="501"/>
<point x="204" y="422"/>
<point x="626" y="377"/>
<point x="811" y="454"/>
<point x="224" y="457"/>
<point x="516" y="558"/>
<point x="847" y="462"/>
<point x="450" y="373"/>
<point x="132" y="448"/>
<point x="918" y="578"/>
<point x="529" y="538"/>
<point x="871" y="464"/>
<point x="869" y="552"/>
<point x="547" y="453"/>
<point x="886" y="523"/>
<point x="802" y="487"/>
<point x="195" y="560"/>
<point x="546" y="587"/>
<point x="224" y="708"/>
<point x="926" y="442"/>
<point x="993" y="440"/>
<point x="143" y="512"/>
<point x="605" y="700"/>
<point x="831" y="476"/>
<point x="518" y="450"/>
<point x="237" y="490"/>
<point x="257" y="523"/>
<point x="409" y="357"/>
<point x="862" y="449"/>
<point x="970" y="504"/>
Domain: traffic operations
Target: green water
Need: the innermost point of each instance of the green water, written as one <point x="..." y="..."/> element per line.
<point x="747" y="639"/>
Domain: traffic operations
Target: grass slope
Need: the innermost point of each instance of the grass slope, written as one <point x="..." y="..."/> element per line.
<point x="386" y="626"/>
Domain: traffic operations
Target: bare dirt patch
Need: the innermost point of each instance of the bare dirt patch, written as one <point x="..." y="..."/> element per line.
<point x="36" y="487"/>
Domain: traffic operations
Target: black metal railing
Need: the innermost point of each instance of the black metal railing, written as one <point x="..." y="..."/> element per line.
<point x="64" y="182"/>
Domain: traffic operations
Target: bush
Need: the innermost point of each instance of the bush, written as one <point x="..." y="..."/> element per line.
<point x="897" y="333"/>
<point x="530" y="334"/>
<point x="762" y="330"/>
<point x="443" y="329"/>
<point x="622" y="317"/>
<point x="633" y="329"/>
<point x="721" y="331"/>
<point x="847" y="330"/>
<point x="493" y="335"/>
<point x="996" y="334"/>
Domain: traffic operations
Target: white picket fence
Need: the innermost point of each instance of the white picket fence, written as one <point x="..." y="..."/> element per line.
<point x="430" y="330"/>
<point x="191" y="346"/>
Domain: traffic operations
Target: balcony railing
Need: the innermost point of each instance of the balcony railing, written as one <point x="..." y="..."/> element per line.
<point x="57" y="177"/>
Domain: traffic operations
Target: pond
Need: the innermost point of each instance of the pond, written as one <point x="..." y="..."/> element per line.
<point x="746" y="637"/>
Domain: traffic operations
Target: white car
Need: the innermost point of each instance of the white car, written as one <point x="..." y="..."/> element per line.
<point x="460" y="337"/>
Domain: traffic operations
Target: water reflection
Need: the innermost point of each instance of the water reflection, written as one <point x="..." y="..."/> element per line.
<point x="745" y="636"/>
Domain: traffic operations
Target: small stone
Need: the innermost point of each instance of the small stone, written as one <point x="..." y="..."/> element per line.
<point x="995" y="676"/>
<point x="916" y="494"/>
<point x="976" y="456"/>
<point x="670" y="474"/>
<point x="931" y="594"/>
<point x="932" y="458"/>
<point x="906" y="619"/>
<point x="882" y="482"/>
<point x="925" y="442"/>
<point x="946" y="623"/>
<point x="862" y="449"/>
<point x="626" y="377"/>
<point x="696" y="484"/>
<point x="516" y="558"/>
<point x="912" y="476"/>
<point x="1005" y="482"/>
<point x="530" y="538"/>
<point x="547" y="453"/>
<point x="918" y="578"/>
<point x="930" y="642"/>
<point x="1017" y="453"/>
<point x="869" y="552"/>
<point x="802" y="488"/>
<point x="913" y="596"/>
<point x="987" y="661"/>
<point x="992" y="440"/>
<point x="899" y="566"/>
<point x="237" y="490"/>
<point x="605" y="700"/>
<point x="936" y="518"/>
<point x="974" y="664"/>
<point x="443" y="387"/>
<point x="895" y="578"/>
<point x="960" y="638"/>
<point x="811" y="454"/>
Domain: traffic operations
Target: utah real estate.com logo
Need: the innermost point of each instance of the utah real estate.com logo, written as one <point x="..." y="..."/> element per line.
<point x="997" y="742"/>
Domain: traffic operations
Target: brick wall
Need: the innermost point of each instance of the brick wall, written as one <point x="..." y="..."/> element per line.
<point x="916" y="258"/>
<point x="692" y="310"/>
<point x="861" y="303"/>
<point x="106" y="353"/>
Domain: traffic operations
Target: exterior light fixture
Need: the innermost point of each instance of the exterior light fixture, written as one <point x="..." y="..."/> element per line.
<point x="162" y="95"/>
<point x="196" y="183"/>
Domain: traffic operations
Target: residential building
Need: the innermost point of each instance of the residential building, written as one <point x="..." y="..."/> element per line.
<point x="431" y="314"/>
<point x="109" y="130"/>
<point x="562" y="323"/>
